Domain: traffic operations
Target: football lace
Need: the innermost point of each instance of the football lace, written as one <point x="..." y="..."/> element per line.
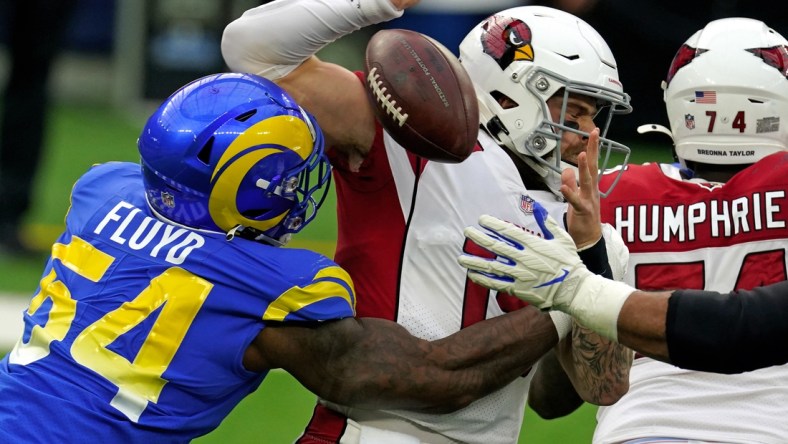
<point x="390" y="106"/>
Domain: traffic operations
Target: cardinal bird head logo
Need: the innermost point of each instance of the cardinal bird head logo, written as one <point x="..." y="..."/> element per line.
<point x="507" y="39"/>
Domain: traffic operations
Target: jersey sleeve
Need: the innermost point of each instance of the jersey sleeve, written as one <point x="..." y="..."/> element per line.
<point x="728" y="333"/>
<point x="318" y="291"/>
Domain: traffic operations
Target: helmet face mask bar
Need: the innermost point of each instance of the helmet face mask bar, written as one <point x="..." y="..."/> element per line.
<point x="550" y="133"/>
<point x="529" y="54"/>
<point x="295" y="185"/>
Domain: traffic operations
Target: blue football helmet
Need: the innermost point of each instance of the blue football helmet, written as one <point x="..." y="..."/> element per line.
<point x="234" y="153"/>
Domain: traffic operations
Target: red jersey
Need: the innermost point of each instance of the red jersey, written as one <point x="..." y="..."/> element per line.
<point x="709" y="236"/>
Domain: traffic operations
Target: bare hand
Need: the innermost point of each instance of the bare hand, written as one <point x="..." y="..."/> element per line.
<point x="583" y="219"/>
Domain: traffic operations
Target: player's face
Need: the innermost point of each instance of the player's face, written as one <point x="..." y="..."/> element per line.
<point x="580" y="112"/>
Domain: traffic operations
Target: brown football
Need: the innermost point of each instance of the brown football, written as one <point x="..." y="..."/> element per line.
<point x="422" y="95"/>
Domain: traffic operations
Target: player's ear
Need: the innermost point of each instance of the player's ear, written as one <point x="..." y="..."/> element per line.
<point x="505" y="101"/>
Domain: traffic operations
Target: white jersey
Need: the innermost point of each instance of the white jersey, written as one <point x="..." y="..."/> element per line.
<point x="401" y="231"/>
<point x="688" y="234"/>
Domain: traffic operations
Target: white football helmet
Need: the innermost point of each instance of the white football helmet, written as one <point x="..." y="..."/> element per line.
<point x="528" y="54"/>
<point x="726" y="92"/>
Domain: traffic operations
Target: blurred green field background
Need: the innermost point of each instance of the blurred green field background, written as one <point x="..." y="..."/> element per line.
<point x="82" y="135"/>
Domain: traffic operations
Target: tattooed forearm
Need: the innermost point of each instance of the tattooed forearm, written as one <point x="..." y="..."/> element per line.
<point x="600" y="367"/>
<point x="372" y="363"/>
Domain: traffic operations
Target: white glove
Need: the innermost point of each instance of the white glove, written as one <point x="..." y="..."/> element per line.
<point x="546" y="273"/>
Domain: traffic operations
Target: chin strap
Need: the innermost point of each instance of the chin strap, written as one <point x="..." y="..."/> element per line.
<point x="257" y="236"/>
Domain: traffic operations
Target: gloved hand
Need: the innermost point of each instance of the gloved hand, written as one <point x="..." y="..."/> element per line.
<point x="544" y="272"/>
<point x="535" y="278"/>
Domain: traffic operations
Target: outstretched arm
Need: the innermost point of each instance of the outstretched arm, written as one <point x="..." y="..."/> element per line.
<point x="693" y="329"/>
<point x="708" y="331"/>
<point x="278" y="41"/>
<point x="374" y="363"/>
<point x="641" y="324"/>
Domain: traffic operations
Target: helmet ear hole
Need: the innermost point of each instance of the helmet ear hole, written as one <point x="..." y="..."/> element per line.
<point x="246" y="116"/>
<point x="204" y="155"/>
<point x="505" y="101"/>
<point x="254" y="213"/>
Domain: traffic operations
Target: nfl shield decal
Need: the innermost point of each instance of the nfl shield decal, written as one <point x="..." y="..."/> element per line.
<point x="168" y="199"/>
<point x="526" y="204"/>
<point x="689" y="121"/>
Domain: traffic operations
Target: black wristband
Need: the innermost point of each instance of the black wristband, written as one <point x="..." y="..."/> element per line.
<point x="595" y="259"/>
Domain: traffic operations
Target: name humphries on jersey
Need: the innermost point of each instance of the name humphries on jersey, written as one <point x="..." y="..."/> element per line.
<point x="744" y="217"/>
<point x="126" y="225"/>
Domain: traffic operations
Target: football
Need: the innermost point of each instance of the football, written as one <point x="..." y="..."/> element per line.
<point x="421" y="94"/>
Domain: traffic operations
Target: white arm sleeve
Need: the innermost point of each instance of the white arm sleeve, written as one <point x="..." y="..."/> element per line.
<point x="617" y="252"/>
<point x="273" y="39"/>
<point x="562" y="322"/>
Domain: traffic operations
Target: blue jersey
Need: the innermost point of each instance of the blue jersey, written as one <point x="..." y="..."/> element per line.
<point x="138" y="329"/>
